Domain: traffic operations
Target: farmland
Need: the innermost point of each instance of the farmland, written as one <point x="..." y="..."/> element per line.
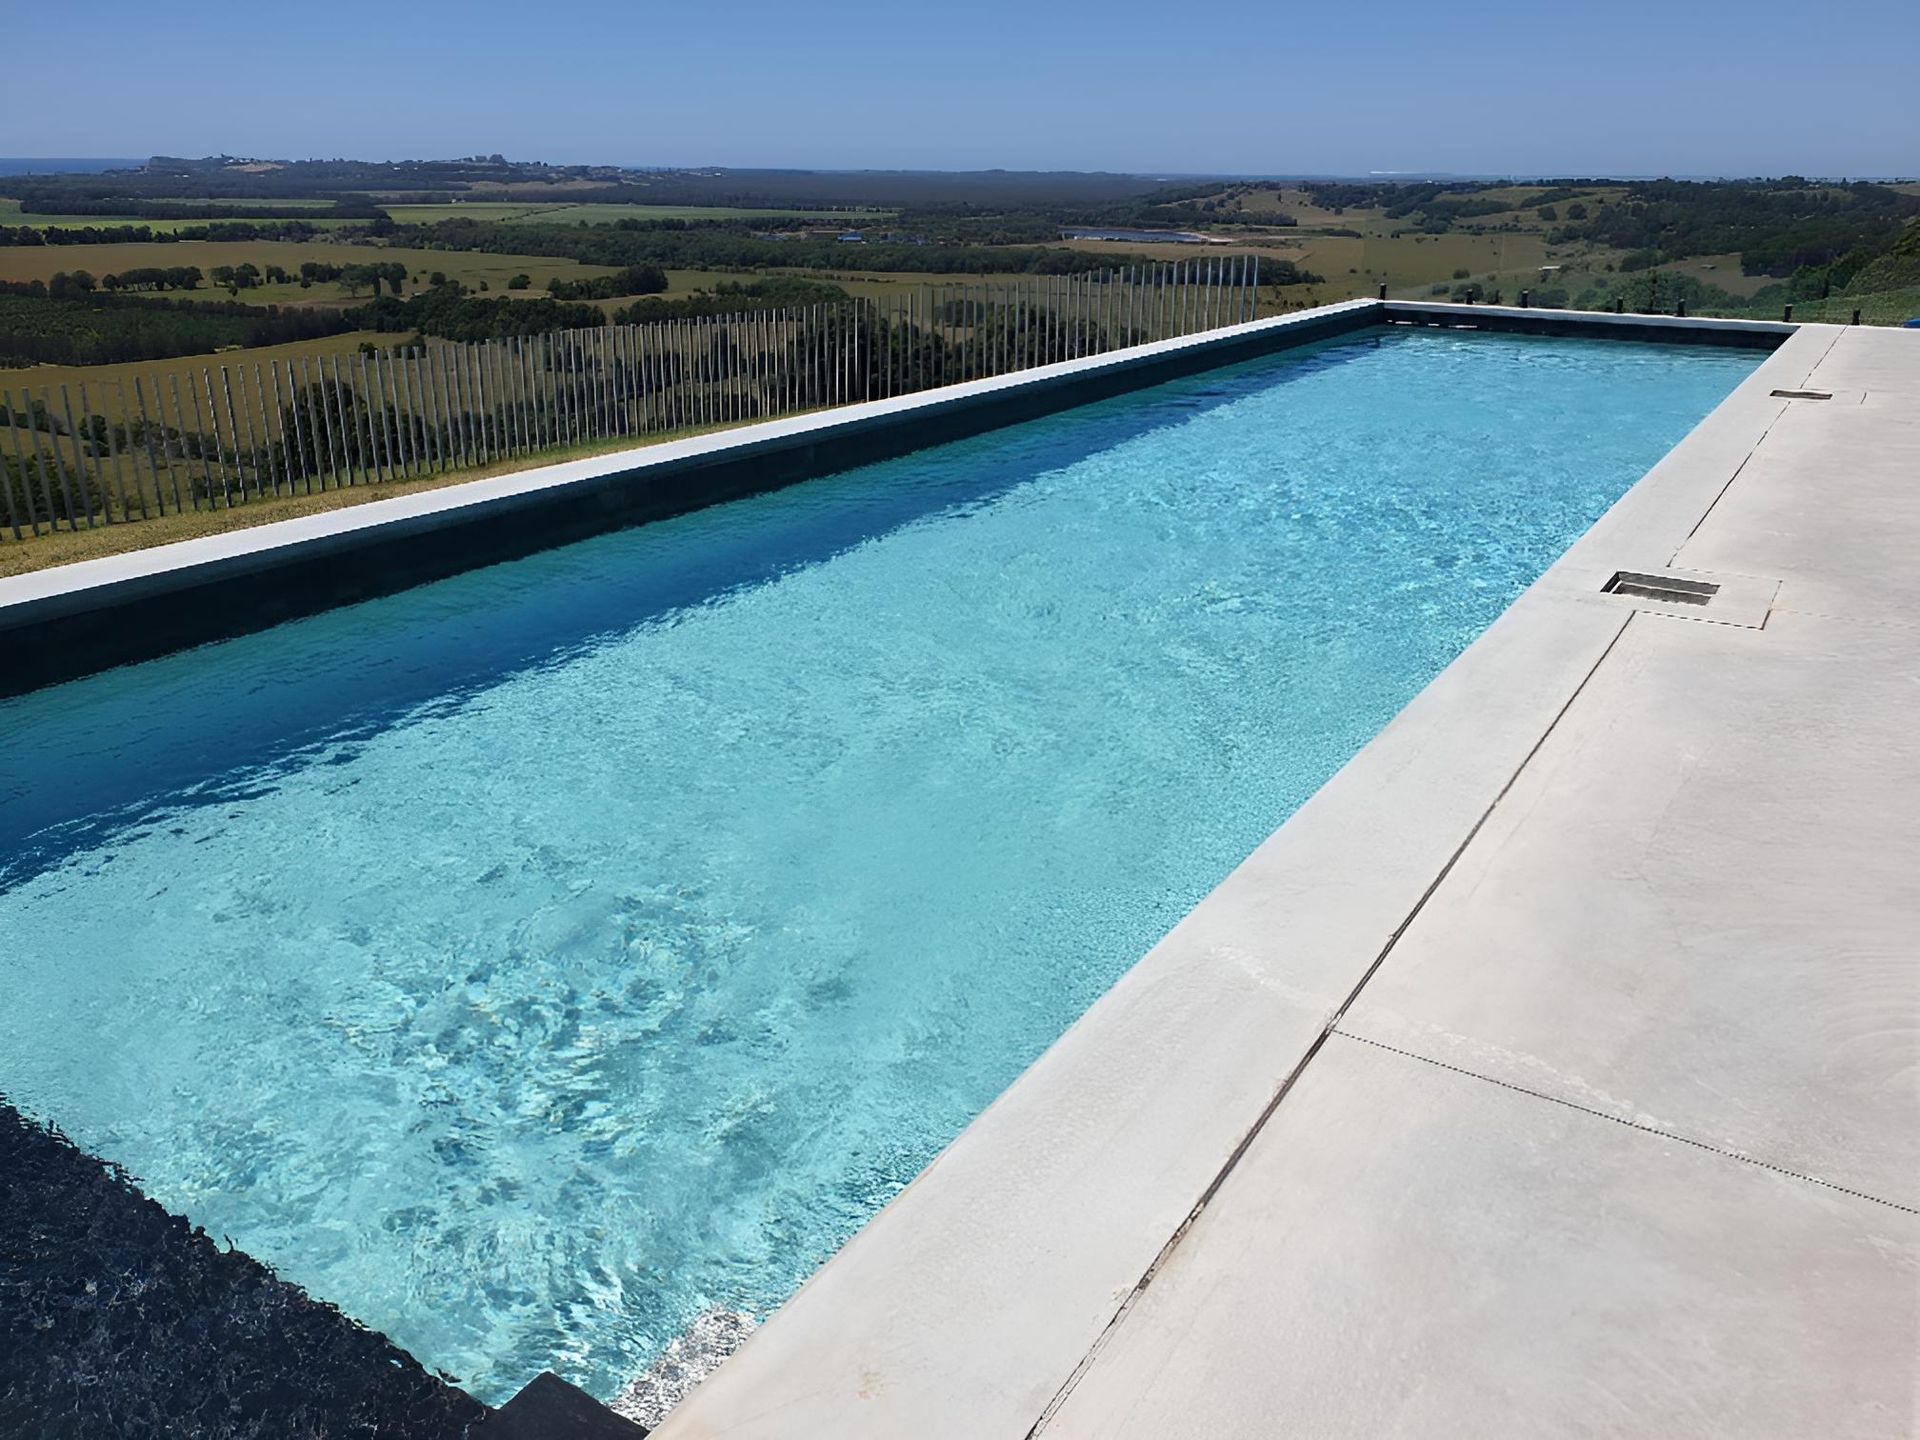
<point x="12" y="214"/>
<point x="476" y="271"/>
<point x="483" y="227"/>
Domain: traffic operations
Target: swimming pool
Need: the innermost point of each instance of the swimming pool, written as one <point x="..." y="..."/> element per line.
<point x="529" y="961"/>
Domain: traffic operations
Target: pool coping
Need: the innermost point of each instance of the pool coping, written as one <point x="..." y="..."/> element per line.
<point x="72" y="620"/>
<point x="971" y="1304"/>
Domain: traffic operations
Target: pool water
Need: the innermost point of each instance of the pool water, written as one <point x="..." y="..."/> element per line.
<point x="531" y="960"/>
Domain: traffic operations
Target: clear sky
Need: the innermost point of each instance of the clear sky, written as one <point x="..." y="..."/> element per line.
<point x="1254" y="86"/>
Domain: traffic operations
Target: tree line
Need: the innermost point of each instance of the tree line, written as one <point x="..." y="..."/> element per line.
<point x="731" y="246"/>
<point x="102" y="329"/>
<point x="294" y="230"/>
<point x="633" y="280"/>
<point x="1777" y="227"/>
<point x="34" y="201"/>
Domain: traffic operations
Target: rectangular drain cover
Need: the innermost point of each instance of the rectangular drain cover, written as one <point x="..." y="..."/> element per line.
<point x="1669" y="588"/>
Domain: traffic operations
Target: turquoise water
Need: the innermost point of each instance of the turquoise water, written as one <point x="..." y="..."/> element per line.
<point x="533" y="959"/>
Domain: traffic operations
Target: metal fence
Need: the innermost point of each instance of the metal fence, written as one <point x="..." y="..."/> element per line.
<point x="204" y="435"/>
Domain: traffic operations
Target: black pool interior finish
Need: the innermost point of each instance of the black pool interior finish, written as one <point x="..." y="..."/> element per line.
<point x="118" y="1319"/>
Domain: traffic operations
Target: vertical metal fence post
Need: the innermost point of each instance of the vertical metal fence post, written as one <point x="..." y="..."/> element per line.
<point x="333" y="402"/>
<point x="369" y="397"/>
<point x="233" y="430"/>
<point x="617" y="378"/>
<point x="523" y="394"/>
<point x="403" y="411"/>
<point x="79" y="470"/>
<point x="480" y="353"/>
<point x="310" y="433"/>
<point x="460" y="398"/>
<point x="454" y="402"/>
<point x="487" y="441"/>
<point x="120" y="442"/>
<point x="314" y="393"/>
<point x="21" y="457"/>
<point x="160" y="409"/>
<point x="643" y="350"/>
<point x="352" y="402"/>
<point x="100" y="431"/>
<point x="213" y="420"/>
<point x="430" y="409"/>
<point x="40" y="468"/>
<point x="263" y="456"/>
<point x="391" y="439"/>
<point x="59" y="471"/>
<point x="15" y="463"/>
<point x="343" y="419"/>
<point x="284" y="417"/>
<point x="473" y="427"/>
<point x="500" y="388"/>
<point x="362" y="404"/>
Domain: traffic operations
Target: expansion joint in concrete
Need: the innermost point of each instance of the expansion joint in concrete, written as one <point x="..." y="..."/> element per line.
<point x="1331" y="1027"/>
<point x="1630" y="1124"/>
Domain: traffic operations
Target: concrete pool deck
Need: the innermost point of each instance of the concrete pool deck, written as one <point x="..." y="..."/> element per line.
<point x="1554" y="1071"/>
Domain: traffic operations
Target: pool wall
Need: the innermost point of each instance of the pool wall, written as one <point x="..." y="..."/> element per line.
<point x="74" y="620"/>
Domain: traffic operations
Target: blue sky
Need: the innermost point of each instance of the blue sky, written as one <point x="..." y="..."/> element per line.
<point x="1681" y="87"/>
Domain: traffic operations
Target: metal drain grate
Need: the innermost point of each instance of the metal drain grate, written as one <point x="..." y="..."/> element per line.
<point x="1668" y="588"/>
<point x="1801" y="394"/>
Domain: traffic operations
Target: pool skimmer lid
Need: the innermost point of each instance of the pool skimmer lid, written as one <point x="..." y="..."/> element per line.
<point x="1669" y="589"/>
<point x="1743" y="600"/>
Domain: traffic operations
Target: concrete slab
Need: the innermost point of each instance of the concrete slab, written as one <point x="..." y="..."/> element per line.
<point x="1873" y="359"/>
<point x="1830" y="505"/>
<point x="1697" y="907"/>
<point x="1410" y="1251"/>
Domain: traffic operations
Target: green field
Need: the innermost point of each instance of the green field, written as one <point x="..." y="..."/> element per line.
<point x="11" y="214"/>
<point x="39" y="262"/>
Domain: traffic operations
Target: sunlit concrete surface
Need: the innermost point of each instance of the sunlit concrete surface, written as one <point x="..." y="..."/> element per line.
<point x="1554" y="1071"/>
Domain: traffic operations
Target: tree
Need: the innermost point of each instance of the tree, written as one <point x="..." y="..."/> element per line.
<point x="362" y="277"/>
<point x="520" y="282"/>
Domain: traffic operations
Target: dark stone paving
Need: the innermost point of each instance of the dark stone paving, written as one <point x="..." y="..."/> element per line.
<point x="119" y="1319"/>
